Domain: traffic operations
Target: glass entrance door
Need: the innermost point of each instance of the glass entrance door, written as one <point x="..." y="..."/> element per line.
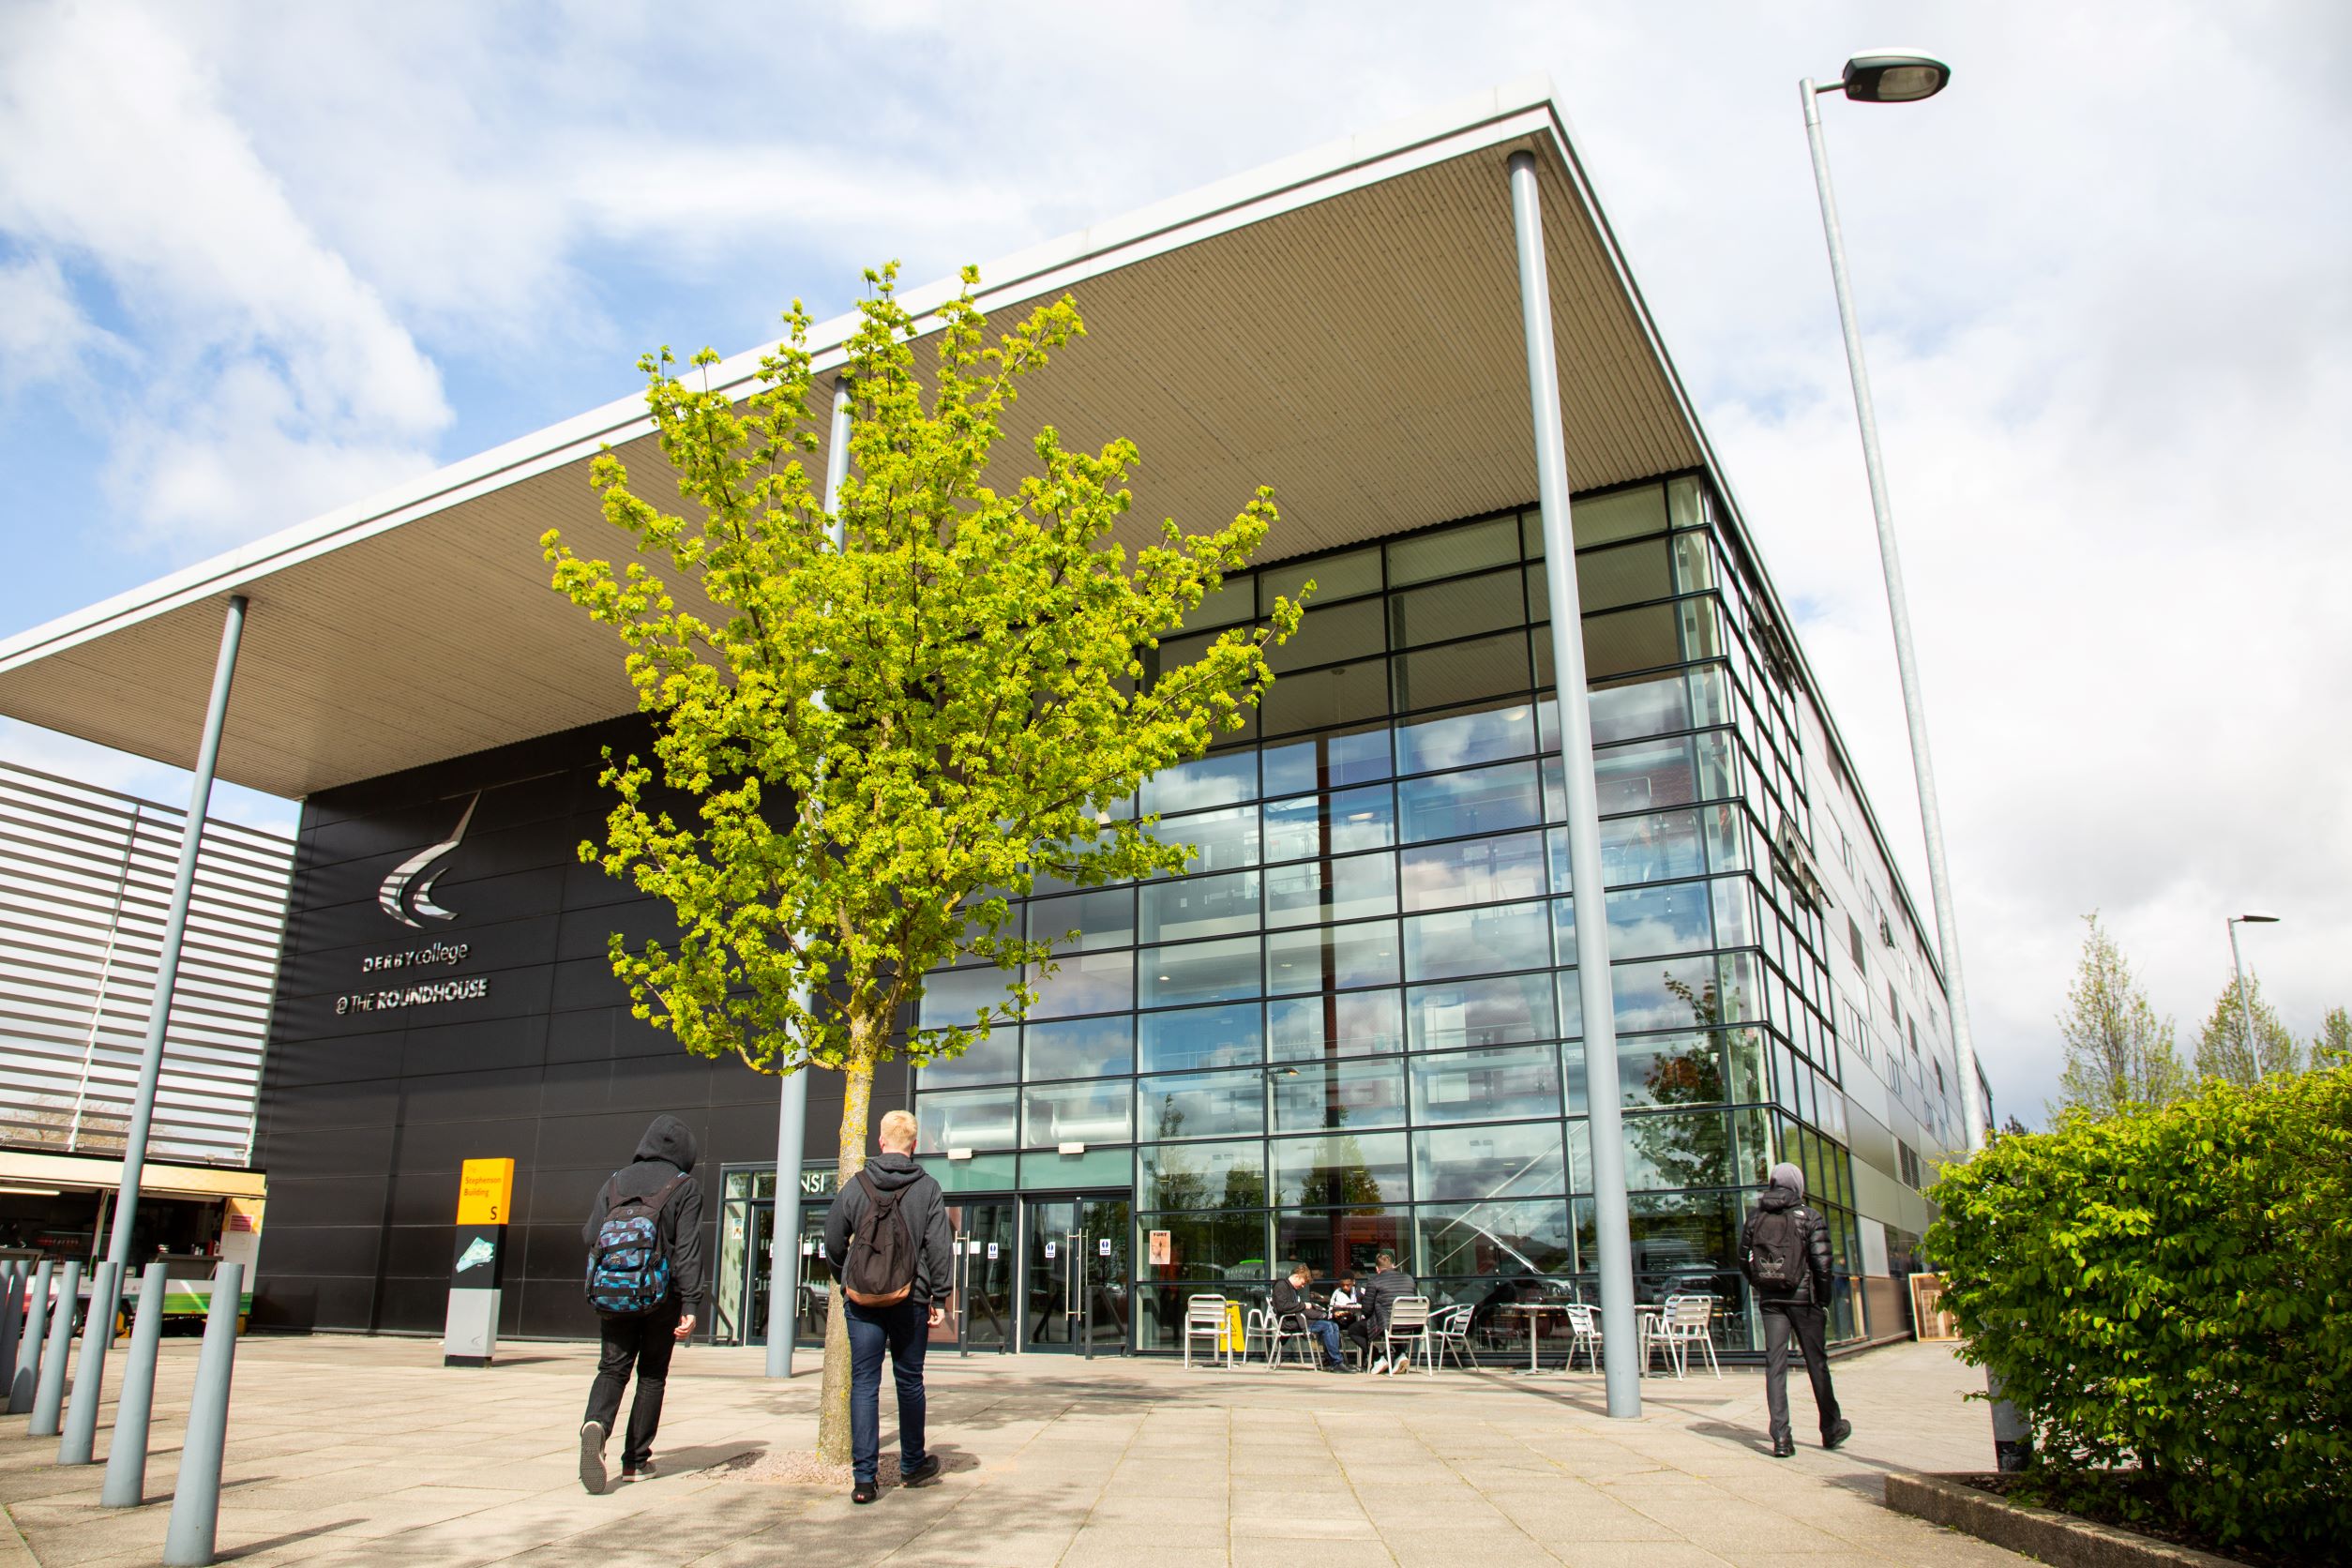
<point x="984" y="1228"/>
<point x="1075" y="1274"/>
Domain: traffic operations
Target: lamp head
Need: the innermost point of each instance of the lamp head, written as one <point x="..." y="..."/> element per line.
<point x="2256" y="917"/>
<point x="1894" y="76"/>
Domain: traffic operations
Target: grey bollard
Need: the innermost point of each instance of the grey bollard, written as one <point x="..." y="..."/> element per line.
<point x="49" y="1403"/>
<point x="97" y="1331"/>
<point x="127" y="1456"/>
<point x="28" y="1360"/>
<point x="188" y="1541"/>
<point x="11" y="1322"/>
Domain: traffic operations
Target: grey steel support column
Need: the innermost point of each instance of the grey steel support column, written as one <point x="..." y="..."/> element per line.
<point x="127" y="1456"/>
<point x="1898" y="610"/>
<point x="48" y="1402"/>
<point x="791" y="1117"/>
<point x="1619" y="1343"/>
<point x="11" y="1322"/>
<point x="98" y="1331"/>
<point x="175" y="929"/>
<point x="188" y="1539"/>
<point x="35" y="1328"/>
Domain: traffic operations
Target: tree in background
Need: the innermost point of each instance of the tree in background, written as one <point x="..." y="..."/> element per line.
<point x="2224" y="1051"/>
<point x="2118" y="1052"/>
<point x="863" y="751"/>
<point x="2332" y="1046"/>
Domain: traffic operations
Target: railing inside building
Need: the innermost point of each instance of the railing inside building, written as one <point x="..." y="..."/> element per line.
<point x="86" y="881"/>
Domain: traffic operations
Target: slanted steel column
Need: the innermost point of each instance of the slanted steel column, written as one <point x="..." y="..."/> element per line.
<point x="791" y="1121"/>
<point x="1620" y="1347"/>
<point x="166" y="972"/>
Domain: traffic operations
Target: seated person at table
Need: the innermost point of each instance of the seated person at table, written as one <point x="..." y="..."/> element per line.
<point x="1343" y="1296"/>
<point x="1298" y="1312"/>
<point x="1378" y="1294"/>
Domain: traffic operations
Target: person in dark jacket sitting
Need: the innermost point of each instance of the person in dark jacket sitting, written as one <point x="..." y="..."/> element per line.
<point x="1298" y="1312"/>
<point x="1798" y="1309"/>
<point x="665" y="1158"/>
<point x="1380" y="1294"/>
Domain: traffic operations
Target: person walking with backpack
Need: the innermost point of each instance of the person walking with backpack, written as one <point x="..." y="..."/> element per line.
<point x="1784" y="1253"/>
<point x="889" y="1230"/>
<point x="644" y="1241"/>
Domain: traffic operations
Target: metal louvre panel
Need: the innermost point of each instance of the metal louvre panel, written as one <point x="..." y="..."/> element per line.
<point x="85" y="879"/>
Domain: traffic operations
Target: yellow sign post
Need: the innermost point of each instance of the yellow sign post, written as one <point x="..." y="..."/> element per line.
<point x="485" y="1192"/>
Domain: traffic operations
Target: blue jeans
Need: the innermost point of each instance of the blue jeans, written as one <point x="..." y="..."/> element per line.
<point x="1328" y="1332"/>
<point x="902" y="1330"/>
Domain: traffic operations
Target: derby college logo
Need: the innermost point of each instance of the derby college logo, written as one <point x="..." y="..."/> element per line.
<point x="407" y="893"/>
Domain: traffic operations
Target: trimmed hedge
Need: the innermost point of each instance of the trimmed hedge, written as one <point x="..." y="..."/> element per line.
<point x="2172" y="1289"/>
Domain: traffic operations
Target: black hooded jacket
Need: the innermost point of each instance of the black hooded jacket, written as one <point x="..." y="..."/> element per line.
<point x="1814" y="1289"/>
<point x="925" y="1210"/>
<point x="667" y="1150"/>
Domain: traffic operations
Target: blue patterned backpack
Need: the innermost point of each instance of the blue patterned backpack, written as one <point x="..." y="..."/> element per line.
<point x="628" y="1271"/>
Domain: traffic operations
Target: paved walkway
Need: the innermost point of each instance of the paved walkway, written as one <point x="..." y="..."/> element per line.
<point x="355" y="1451"/>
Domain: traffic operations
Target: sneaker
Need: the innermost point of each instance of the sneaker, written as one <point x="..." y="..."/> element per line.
<point x="926" y="1471"/>
<point x="862" y="1492"/>
<point x="1783" y="1448"/>
<point x="1380" y="1365"/>
<point x="591" y="1457"/>
<point x="1336" y="1367"/>
<point x="1837" y="1434"/>
<point x="637" y="1472"/>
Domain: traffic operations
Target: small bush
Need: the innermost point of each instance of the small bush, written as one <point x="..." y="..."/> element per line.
<point x="2172" y="1289"/>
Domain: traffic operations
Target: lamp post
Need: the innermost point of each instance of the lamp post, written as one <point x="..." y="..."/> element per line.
<point x="1897" y="76"/>
<point x="2238" y="972"/>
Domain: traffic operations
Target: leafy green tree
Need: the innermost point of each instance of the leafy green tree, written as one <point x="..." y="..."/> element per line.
<point x="2332" y="1046"/>
<point x="863" y="749"/>
<point x="2224" y="1050"/>
<point x="2118" y="1052"/>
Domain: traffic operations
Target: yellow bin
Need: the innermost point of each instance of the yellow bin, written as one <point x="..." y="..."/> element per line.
<point x="1234" y="1339"/>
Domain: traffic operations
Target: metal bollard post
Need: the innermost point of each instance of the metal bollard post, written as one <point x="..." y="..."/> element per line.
<point x="127" y="1456"/>
<point x="49" y="1403"/>
<point x="188" y="1541"/>
<point x="98" y="1331"/>
<point x="28" y="1363"/>
<point x="11" y="1322"/>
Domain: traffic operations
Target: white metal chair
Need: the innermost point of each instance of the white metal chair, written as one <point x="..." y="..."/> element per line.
<point x="1302" y="1345"/>
<point x="1585" y="1329"/>
<point x="1409" y="1322"/>
<point x="1450" y="1331"/>
<point x="1204" y="1319"/>
<point x="1689" y="1321"/>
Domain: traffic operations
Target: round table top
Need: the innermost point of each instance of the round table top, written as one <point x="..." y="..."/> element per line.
<point x="1536" y="1306"/>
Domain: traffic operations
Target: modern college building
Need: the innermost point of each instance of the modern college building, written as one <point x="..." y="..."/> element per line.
<point x="1355" y="1025"/>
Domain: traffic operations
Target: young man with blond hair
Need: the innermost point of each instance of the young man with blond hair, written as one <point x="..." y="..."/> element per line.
<point x="894" y="1263"/>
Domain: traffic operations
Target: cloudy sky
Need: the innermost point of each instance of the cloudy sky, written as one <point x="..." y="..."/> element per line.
<point x="2104" y="281"/>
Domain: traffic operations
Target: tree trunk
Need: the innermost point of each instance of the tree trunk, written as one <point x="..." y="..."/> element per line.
<point x="857" y="1100"/>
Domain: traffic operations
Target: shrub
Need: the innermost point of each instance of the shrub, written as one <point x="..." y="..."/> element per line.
<point x="2172" y="1288"/>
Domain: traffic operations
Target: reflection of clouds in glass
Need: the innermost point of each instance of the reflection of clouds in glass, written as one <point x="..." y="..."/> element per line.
<point x="1462" y="740"/>
<point x="1225" y="779"/>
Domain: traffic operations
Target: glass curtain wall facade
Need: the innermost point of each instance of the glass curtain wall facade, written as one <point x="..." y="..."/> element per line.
<point x="1355" y="1025"/>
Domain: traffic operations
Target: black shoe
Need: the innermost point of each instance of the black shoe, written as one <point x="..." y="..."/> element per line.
<point x="1338" y="1366"/>
<point x="1837" y="1434"/>
<point x="1783" y="1448"/>
<point x="926" y="1471"/>
<point x="591" y="1457"/>
<point x="637" y="1472"/>
<point x="862" y="1492"/>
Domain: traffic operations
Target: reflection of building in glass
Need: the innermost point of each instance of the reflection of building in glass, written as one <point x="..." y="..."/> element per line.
<point x="1348" y="1029"/>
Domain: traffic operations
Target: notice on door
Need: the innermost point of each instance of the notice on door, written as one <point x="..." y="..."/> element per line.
<point x="1102" y="1247"/>
<point x="991" y="1252"/>
<point x="1049" y="1252"/>
<point x="1163" y="1249"/>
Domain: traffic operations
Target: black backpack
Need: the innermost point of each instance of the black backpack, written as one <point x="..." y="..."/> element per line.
<point x="628" y="1267"/>
<point x="880" y="1269"/>
<point x="1774" y="1257"/>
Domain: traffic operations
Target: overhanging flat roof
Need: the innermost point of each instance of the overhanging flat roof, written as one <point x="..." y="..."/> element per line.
<point x="1342" y="325"/>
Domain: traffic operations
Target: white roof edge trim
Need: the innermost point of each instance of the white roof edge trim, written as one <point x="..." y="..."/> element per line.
<point x="1430" y="136"/>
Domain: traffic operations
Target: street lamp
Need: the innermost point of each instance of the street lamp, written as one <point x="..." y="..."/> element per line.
<point x="2237" y="969"/>
<point x="1897" y="76"/>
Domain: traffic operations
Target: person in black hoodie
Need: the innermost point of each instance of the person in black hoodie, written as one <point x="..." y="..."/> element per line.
<point x="1800" y="1309"/>
<point x="664" y="1155"/>
<point x="903" y="1327"/>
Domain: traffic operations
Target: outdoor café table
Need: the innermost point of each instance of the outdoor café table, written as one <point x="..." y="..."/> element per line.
<point x="1534" y="1323"/>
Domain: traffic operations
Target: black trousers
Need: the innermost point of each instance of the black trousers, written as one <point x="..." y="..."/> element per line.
<point x="644" y="1344"/>
<point x="1809" y="1324"/>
